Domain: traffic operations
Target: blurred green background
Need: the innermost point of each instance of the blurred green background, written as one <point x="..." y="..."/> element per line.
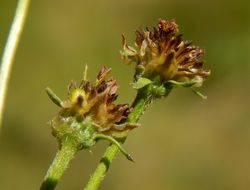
<point x="185" y="143"/>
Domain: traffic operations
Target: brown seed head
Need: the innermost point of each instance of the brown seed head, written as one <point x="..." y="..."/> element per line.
<point x="97" y="101"/>
<point x="162" y="52"/>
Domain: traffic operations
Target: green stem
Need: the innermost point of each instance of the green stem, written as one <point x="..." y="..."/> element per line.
<point x="10" y="50"/>
<point x="142" y="100"/>
<point x="60" y="163"/>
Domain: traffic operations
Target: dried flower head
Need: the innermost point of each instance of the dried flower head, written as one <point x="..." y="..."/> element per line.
<point x="162" y="52"/>
<point x="96" y="101"/>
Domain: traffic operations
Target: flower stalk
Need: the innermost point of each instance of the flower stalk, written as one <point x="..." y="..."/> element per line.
<point x="10" y="51"/>
<point x="143" y="99"/>
<point x="60" y="163"/>
<point x="140" y="104"/>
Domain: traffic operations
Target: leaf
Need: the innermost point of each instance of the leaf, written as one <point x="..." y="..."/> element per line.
<point x="141" y="82"/>
<point x="55" y="99"/>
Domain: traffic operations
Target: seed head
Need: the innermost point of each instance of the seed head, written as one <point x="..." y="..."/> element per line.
<point x="96" y="101"/>
<point x="161" y="52"/>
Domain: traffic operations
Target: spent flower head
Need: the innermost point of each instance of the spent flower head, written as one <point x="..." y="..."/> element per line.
<point x="97" y="102"/>
<point x="161" y="52"/>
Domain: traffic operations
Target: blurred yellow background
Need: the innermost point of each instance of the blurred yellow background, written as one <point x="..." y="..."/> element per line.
<point x="185" y="143"/>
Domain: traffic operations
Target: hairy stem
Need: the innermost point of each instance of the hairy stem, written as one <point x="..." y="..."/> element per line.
<point x="10" y="50"/>
<point x="142" y="100"/>
<point x="59" y="165"/>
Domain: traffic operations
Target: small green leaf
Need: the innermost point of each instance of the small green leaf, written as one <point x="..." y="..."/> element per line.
<point x="115" y="142"/>
<point x="54" y="97"/>
<point x="141" y="82"/>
